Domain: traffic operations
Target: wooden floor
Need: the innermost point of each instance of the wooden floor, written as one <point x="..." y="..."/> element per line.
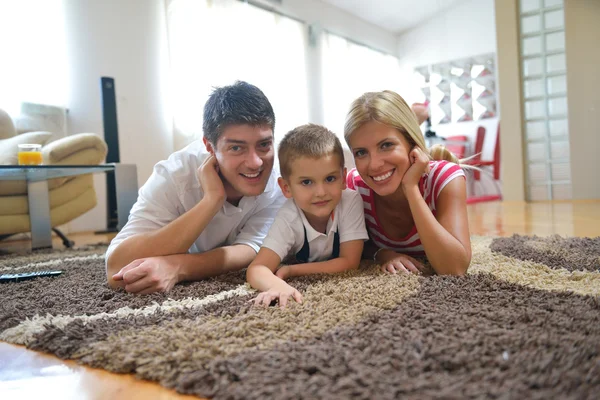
<point x="26" y="374"/>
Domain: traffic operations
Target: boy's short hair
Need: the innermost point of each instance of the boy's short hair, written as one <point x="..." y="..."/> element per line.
<point x="237" y="104"/>
<point x="310" y="140"/>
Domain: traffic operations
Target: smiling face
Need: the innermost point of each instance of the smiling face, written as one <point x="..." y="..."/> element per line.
<point x="316" y="186"/>
<point x="381" y="156"/>
<point x="245" y="155"/>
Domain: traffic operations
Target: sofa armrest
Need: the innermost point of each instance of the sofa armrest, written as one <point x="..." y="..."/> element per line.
<point x="82" y="149"/>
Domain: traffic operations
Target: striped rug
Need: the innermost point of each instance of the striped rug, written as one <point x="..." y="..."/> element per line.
<point x="524" y="323"/>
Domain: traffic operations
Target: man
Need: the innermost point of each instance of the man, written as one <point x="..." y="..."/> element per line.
<point x="207" y="209"/>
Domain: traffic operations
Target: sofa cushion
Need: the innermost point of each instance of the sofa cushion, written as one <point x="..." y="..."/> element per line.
<point x="9" y="147"/>
<point x="7" y="126"/>
<point x="11" y="224"/>
<point x="13" y="205"/>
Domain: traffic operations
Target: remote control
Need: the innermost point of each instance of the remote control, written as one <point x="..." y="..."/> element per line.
<point x="27" y="275"/>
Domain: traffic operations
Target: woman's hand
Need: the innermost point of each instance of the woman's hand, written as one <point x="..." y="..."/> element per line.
<point x="419" y="165"/>
<point x="393" y="263"/>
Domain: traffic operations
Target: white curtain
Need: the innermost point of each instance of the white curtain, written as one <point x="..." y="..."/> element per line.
<point x="214" y="43"/>
<point x="33" y="67"/>
<point x="349" y="70"/>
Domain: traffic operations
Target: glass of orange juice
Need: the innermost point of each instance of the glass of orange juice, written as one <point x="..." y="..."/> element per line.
<point x="30" y="154"/>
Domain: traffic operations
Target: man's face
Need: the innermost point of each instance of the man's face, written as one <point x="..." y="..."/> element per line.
<point x="245" y="155"/>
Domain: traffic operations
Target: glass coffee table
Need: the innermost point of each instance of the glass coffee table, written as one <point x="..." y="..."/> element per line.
<point x="37" y="192"/>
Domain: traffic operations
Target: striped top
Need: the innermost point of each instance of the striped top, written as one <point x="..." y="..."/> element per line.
<point x="430" y="185"/>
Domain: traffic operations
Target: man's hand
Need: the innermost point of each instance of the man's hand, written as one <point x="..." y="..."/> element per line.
<point x="149" y="275"/>
<point x="419" y="165"/>
<point x="212" y="185"/>
<point x="282" y="292"/>
<point x="283" y="273"/>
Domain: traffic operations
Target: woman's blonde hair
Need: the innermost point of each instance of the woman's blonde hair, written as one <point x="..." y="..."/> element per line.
<point x="389" y="108"/>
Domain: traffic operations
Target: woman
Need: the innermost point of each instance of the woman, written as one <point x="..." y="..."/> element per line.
<point x="414" y="199"/>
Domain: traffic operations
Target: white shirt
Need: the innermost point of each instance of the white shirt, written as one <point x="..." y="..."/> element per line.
<point x="173" y="189"/>
<point x="286" y="236"/>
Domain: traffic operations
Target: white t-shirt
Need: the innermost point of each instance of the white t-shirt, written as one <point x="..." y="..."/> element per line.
<point x="286" y="236"/>
<point x="173" y="189"/>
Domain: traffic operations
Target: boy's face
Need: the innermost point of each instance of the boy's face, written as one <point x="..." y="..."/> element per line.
<point x="316" y="185"/>
<point x="245" y="156"/>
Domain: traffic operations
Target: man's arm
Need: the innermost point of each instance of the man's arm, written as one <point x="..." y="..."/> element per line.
<point x="175" y="236"/>
<point x="160" y="274"/>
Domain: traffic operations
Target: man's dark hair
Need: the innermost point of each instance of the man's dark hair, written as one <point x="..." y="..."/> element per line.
<point x="237" y="104"/>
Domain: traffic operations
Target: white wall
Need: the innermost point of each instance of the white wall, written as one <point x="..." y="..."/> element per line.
<point x="125" y="40"/>
<point x="467" y="29"/>
<point x="582" y="35"/>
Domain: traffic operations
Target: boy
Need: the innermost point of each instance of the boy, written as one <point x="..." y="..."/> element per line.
<point x="207" y="209"/>
<point x="321" y="225"/>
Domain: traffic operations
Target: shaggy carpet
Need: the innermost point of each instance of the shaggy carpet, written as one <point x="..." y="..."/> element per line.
<point x="524" y="323"/>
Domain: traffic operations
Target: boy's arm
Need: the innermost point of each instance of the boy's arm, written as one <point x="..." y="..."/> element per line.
<point x="261" y="272"/>
<point x="260" y="275"/>
<point x="350" y="253"/>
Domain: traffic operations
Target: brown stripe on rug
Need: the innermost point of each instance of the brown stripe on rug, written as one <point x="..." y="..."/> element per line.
<point x="472" y="337"/>
<point x="571" y="253"/>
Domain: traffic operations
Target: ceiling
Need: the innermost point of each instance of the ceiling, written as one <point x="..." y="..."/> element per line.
<point x="395" y="16"/>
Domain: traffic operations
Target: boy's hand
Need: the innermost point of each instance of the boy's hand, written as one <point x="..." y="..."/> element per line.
<point x="419" y="165"/>
<point x="281" y="293"/>
<point x="283" y="273"/>
<point x="212" y="185"/>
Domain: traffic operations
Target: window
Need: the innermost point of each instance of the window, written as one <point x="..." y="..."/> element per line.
<point x="34" y="62"/>
<point x="216" y="43"/>
<point x="545" y="94"/>
<point x="349" y="70"/>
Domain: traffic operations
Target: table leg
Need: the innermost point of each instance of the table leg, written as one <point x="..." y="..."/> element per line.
<point x="127" y="191"/>
<point x="39" y="214"/>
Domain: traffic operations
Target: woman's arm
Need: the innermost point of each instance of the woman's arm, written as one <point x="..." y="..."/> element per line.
<point x="446" y="240"/>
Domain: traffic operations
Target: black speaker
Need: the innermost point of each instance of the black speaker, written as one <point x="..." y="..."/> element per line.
<point x="111" y="136"/>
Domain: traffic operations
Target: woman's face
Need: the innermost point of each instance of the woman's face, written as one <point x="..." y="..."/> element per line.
<point x="381" y="156"/>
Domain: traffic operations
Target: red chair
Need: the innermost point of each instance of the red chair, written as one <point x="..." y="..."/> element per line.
<point x="459" y="150"/>
<point x="478" y="162"/>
